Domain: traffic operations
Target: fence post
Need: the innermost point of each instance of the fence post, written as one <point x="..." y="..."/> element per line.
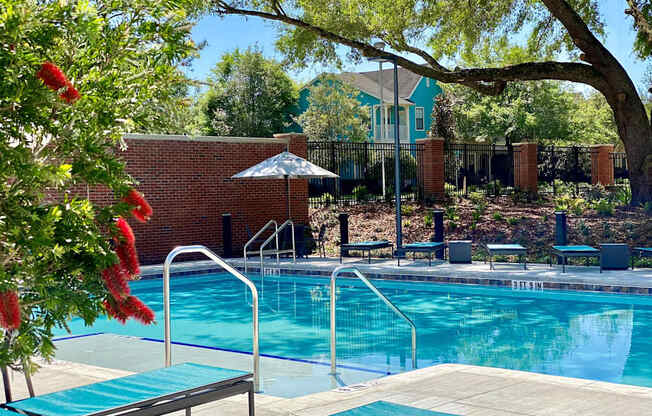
<point x="526" y="173"/>
<point x="602" y="166"/>
<point x="433" y="167"/>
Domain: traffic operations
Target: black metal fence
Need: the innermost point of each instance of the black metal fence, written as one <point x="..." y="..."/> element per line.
<point x="571" y="164"/>
<point x="621" y="169"/>
<point x="471" y="167"/>
<point x="366" y="172"/>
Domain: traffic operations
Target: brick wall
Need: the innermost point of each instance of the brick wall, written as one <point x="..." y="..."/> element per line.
<point x="526" y="174"/>
<point x="433" y="167"/>
<point x="602" y="166"/>
<point x="187" y="182"/>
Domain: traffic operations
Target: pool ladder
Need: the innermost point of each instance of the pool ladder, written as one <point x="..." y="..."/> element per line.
<point x="378" y="293"/>
<point x="166" y="302"/>
<point x="274" y="251"/>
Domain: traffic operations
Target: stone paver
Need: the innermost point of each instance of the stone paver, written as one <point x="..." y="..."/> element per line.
<point x="451" y="388"/>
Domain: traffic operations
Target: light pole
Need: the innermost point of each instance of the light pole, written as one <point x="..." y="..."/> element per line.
<point x="381" y="87"/>
<point x="397" y="151"/>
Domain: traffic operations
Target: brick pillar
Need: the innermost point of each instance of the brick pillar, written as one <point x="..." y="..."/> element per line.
<point x="526" y="174"/>
<point x="297" y="144"/>
<point x="433" y="167"/>
<point x="602" y="167"/>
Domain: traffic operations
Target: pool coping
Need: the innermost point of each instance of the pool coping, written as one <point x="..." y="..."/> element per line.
<point x="577" y="278"/>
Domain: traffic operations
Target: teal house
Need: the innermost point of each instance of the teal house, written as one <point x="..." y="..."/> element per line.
<point x="415" y="96"/>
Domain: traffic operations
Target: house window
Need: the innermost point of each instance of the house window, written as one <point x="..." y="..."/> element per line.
<point x="419" y="118"/>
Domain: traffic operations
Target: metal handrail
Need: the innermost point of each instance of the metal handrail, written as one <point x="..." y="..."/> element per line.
<point x="252" y="239"/>
<point x="166" y="302"/>
<point x="275" y="235"/>
<point x="388" y="302"/>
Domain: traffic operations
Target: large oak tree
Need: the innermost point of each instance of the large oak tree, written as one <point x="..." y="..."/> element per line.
<point x="441" y="31"/>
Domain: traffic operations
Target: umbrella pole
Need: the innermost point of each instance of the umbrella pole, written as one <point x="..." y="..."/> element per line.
<point x="287" y="188"/>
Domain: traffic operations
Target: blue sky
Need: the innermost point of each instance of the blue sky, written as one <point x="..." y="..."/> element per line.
<point x="225" y="34"/>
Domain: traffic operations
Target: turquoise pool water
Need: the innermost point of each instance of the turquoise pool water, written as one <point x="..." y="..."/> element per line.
<point x="595" y="336"/>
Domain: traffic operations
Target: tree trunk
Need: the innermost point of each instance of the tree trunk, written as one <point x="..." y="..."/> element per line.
<point x="636" y="134"/>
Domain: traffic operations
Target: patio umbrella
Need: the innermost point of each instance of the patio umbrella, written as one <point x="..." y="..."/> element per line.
<point x="286" y="166"/>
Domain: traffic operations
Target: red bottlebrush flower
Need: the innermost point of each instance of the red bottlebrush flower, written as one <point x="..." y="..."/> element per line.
<point x="9" y="310"/>
<point x="70" y="95"/>
<point x="114" y="311"/>
<point x="135" y="308"/>
<point x="52" y="76"/>
<point x="115" y="280"/>
<point x="142" y="211"/>
<point x="125" y="230"/>
<point x="128" y="258"/>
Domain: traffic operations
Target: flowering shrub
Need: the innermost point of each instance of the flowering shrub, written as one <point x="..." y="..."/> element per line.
<point x="76" y="76"/>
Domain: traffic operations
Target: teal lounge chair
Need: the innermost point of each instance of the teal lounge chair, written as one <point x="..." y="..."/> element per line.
<point x="574" y="251"/>
<point x="508" y="250"/>
<point x="641" y="252"/>
<point x="150" y="393"/>
<point x="381" y="408"/>
<point x="363" y="246"/>
<point x="422" y="247"/>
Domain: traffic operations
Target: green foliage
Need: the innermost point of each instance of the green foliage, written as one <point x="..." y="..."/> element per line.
<point x="498" y="216"/>
<point x="407" y="209"/>
<point x="361" y="193"/>
<point x="334" y="112"/>
<point x="566" y="202"/>
<point x="604" y="207"/>
<point x="443" y="118"/>
<point x="622" y="195"/>
<point x="641" y="11"/>
<point x="428" y="220"/>
<point x="451" y="213"/>
<point x="647" y="207"/>
<point x="547" y="112"/>
<point x="476" y="197"/>
<point x="250" y="96"/>
<point x="122" y="57"/>
<point x="513" y="220"/>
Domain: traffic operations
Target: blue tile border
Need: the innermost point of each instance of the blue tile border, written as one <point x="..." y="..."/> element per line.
<point x="580" y="287"/>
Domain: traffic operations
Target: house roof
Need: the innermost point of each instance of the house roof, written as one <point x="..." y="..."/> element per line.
<point x="368" y="82"/>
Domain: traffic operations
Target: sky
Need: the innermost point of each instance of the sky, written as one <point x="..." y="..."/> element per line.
<point x="223" y="35"/>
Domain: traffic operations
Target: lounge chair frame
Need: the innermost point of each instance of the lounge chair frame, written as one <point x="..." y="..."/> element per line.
<point x="506" y="250"/>
<point x="433" y="247"/>
<point x="564" y="254"/>
<point x="640" y="252"/>
<point x="173" y="402"/>
<point x="368" y="246"/>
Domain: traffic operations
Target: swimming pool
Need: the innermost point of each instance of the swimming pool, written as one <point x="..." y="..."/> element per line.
<point x="603" y="337"/>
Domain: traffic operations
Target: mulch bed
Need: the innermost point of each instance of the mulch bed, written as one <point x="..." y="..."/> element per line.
<point x="529" y="224"/>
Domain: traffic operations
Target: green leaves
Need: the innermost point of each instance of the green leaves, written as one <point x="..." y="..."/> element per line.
<point x="251" y="96"/>
<point x="122" y="57"/>
<point x="334" y="112"/>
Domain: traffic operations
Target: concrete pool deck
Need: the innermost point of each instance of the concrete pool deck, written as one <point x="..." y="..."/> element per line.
<point x="451" y="388"/>
<point x="638" y="281"/>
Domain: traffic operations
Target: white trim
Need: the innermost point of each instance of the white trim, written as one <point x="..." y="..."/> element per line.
<point x="415" y="86"/>
<point x="415" y="119"/>
<point x="211" y="139"/>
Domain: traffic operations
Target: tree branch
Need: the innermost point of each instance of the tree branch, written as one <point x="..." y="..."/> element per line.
<point x="490" y="81"/>
<point x="639" y="19"/>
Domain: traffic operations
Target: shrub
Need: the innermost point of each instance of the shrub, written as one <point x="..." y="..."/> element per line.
<point x="407" y="209"/>
<point x="498" y="216"/>
<point x="451" y="213"/>
<point x="494" y="188"/>
<point x="452" y="225"/>
<point x="427" y="220"/>
<point x="647" y="207"/>
<point x="476" y="197"/>
<point x="360" y="193"/>
<point x="327" y="199"/>
<point x="512" y="220"/>
<point x="622" y="195"/>
<point x="566" y="202"/>
<point x="604" y="207"/>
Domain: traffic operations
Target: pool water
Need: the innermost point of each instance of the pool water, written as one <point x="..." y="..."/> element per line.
<point x="594" y="336"/>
